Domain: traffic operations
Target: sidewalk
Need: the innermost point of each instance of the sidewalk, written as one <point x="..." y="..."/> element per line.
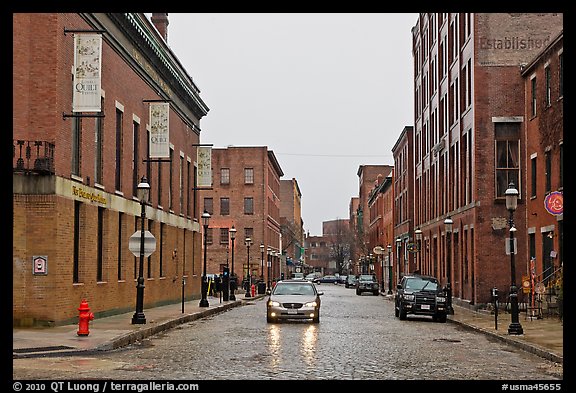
<point x="543" y="337"/>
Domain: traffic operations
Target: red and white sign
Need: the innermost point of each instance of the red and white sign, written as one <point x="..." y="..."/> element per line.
<point x="554" y="203"/>
<point x="40" y="265"/>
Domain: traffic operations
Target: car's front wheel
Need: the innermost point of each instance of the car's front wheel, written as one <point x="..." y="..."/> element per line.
<point x="402" y="314"/>
<point x="441" y="318"/>
<point x="269" y="319"/>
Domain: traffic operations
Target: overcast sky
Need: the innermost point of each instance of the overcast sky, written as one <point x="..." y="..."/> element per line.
<point x="326" y="92"/>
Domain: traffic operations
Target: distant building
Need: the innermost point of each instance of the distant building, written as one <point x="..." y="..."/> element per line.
<point x="291" y="224"/>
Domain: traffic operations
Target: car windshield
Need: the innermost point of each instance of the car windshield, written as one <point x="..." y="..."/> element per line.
<point x="418" y="284"/>
<point x="293" y="289"/>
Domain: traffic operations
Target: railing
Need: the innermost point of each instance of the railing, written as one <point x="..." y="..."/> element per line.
<point x="33" y="156"/>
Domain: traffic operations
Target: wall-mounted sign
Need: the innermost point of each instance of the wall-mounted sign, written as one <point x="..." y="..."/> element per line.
<point x="40" y="265"/>
<point x="554" y="203"/>
<point x="159" y="130"/>
<point x="87" y="72"/>
<point x="204" y="160"/>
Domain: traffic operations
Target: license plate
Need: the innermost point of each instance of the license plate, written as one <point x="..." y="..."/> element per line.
<point x="292" y="311"/>
<point x="425" y="307"/>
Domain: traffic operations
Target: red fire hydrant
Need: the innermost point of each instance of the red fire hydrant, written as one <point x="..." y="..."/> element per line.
<point x="253" y="290"/>
<point x="84" y="318"/>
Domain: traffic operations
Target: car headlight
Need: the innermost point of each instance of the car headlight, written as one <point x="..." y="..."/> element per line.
<point x="440" y="299"/>
<point x="273" y="304"/>
<point x="409" y="297"/>
<point x="311" y="304"/>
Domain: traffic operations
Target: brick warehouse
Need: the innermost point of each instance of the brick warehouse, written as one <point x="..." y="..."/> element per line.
<point x="468" y="143"/>
<point x="245" y="194"/>
<point x="75" y="177"/>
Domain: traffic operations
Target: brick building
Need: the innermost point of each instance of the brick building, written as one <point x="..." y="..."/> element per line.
<point x="544" y="114"/>
<point x="468" y="142"/>
<point x="75" y="172"/>
<point x="245" y="194"/>
<point x="291" y="224"/>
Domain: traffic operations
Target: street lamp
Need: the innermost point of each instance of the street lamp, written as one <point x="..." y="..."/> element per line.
<point x="232" y="276"/>
<point x="448" y="225"/>
<point x="511" y="204"/>
<point x="205" y="222"/>
<point x="143" y="190"/>
<point x="248" y="243"/>
<point x="269" y="263"/>
<point x="389" y="247"/>
<point x="398" y="247"/>
<point x="418" y="234"/>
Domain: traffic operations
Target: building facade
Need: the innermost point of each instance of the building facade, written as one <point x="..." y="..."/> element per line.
<point x="76" y="170"/>
<point x="544" y="114"/>
<point x="245" y="195"/>
<point x="468" y="141"/>
<point x="291" y="225"/>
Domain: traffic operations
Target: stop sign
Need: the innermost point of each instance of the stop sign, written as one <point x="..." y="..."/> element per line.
<point x="149" y="243"/>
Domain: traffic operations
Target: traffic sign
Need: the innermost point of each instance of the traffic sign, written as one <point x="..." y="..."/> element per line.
<point x="149" y="243"/>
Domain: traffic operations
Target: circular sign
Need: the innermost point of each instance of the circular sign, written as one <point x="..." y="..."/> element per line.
<point x="526" y="283"/>
<point x="554" y="203"/>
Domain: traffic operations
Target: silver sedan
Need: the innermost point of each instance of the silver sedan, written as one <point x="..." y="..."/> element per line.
<point x="294" y="299"/>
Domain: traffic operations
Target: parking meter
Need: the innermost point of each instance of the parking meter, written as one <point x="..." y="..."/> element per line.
<point x="495" y="301"/>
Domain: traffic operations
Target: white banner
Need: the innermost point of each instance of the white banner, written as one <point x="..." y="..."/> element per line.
<point x="159" y="130"/>
<point x="204" y="160"/>
<point x="87" y="72"/>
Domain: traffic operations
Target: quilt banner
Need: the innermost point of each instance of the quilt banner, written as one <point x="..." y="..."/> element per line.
<point x="87" y="72"/>
<point x="159" y="131"/>
<point x="204" y="161"/>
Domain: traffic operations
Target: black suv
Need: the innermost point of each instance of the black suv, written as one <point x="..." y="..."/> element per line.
<point x="420" y="295"/>
<point x="367" y="283"/>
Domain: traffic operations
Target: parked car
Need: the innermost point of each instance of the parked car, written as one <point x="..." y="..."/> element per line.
<point x="420" y="295"/>
<point x="310" y="277"/>
<point x="342" y="279"/>
<point x="350" y="281"/>
<point x="293" y="299"/>
<point x="367" y="283"/>
<point x="329" y="279"/>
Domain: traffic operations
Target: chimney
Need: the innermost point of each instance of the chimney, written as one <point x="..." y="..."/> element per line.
<point x="160" y="21"/>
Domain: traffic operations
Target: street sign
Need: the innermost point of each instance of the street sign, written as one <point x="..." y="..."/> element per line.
<point x="149" y="243"/>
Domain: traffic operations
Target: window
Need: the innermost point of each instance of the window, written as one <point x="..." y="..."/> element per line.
<point x="118" y="179"/>
<point x="160" y="185"/>
<point x="160" y="246"/>
<point x="534" y="173"/>
<point x="170" y="180"/>
<point x="248" y="175"/>
<point x="181" y="185"/>
<point x="224" y="206"/>
<point x="225" y="176"/>
<point x="188" y="188"/>
<point x="249" y="205"/>
<point x="548" y="81"/>
<point x="533" y="93"/>
<point x="561" y="75"/>
<point x="150" y="228"/>
<point x="136" y="157"/>
<point x="507" y="156"/>
<point x="100" y="246"/>
<point x="224" y="236"/>
<point x="76" y="143"/>
<point x="209" y="236"/>
<point x="209" y="205"/>
<point x="120" y="242"/>
<point x="99" y="144"/>
<point x="548" y="173"/>
<point x="249" y="232"/>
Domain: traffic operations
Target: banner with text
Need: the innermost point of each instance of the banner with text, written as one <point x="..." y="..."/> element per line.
<point x="204" y="160"/>
<point x="87" y="72"/>
<point x="159" y="131"/>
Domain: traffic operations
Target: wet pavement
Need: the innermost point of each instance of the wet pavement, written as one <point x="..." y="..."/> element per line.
<point x="543" y="337"/>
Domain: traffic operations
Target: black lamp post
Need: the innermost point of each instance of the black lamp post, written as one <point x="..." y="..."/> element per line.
<point x="389" y="247"/>
<point x="205" y="222"/>
<point x="143" y="190"/>
<point x="262" y="261"/>
<point x="448" y="225"/>
<point x="269" y="263"/>
<point x="232" y="276"/>
<point x="248" y="243"/>
<point x="418" y="234"/>
<point x="511" y="204"/>
<point x="398" y="248"/>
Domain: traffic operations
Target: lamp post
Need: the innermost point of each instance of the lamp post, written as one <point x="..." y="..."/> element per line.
<point x="389" y="247"/>
<point x="205" y="222"/>
<point x="418" y="234"/>
<point x="232" y="276"/>
<point x="262" y="261"/>
<point x="398" y="247"/>
<point x="143" y="190"/>
<point x="269" y="263"/>
<point x="248" y="243"/>
<point x="448" y="225"/>
<point x="382" y="287"/>
<point x="511" y="204"/>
